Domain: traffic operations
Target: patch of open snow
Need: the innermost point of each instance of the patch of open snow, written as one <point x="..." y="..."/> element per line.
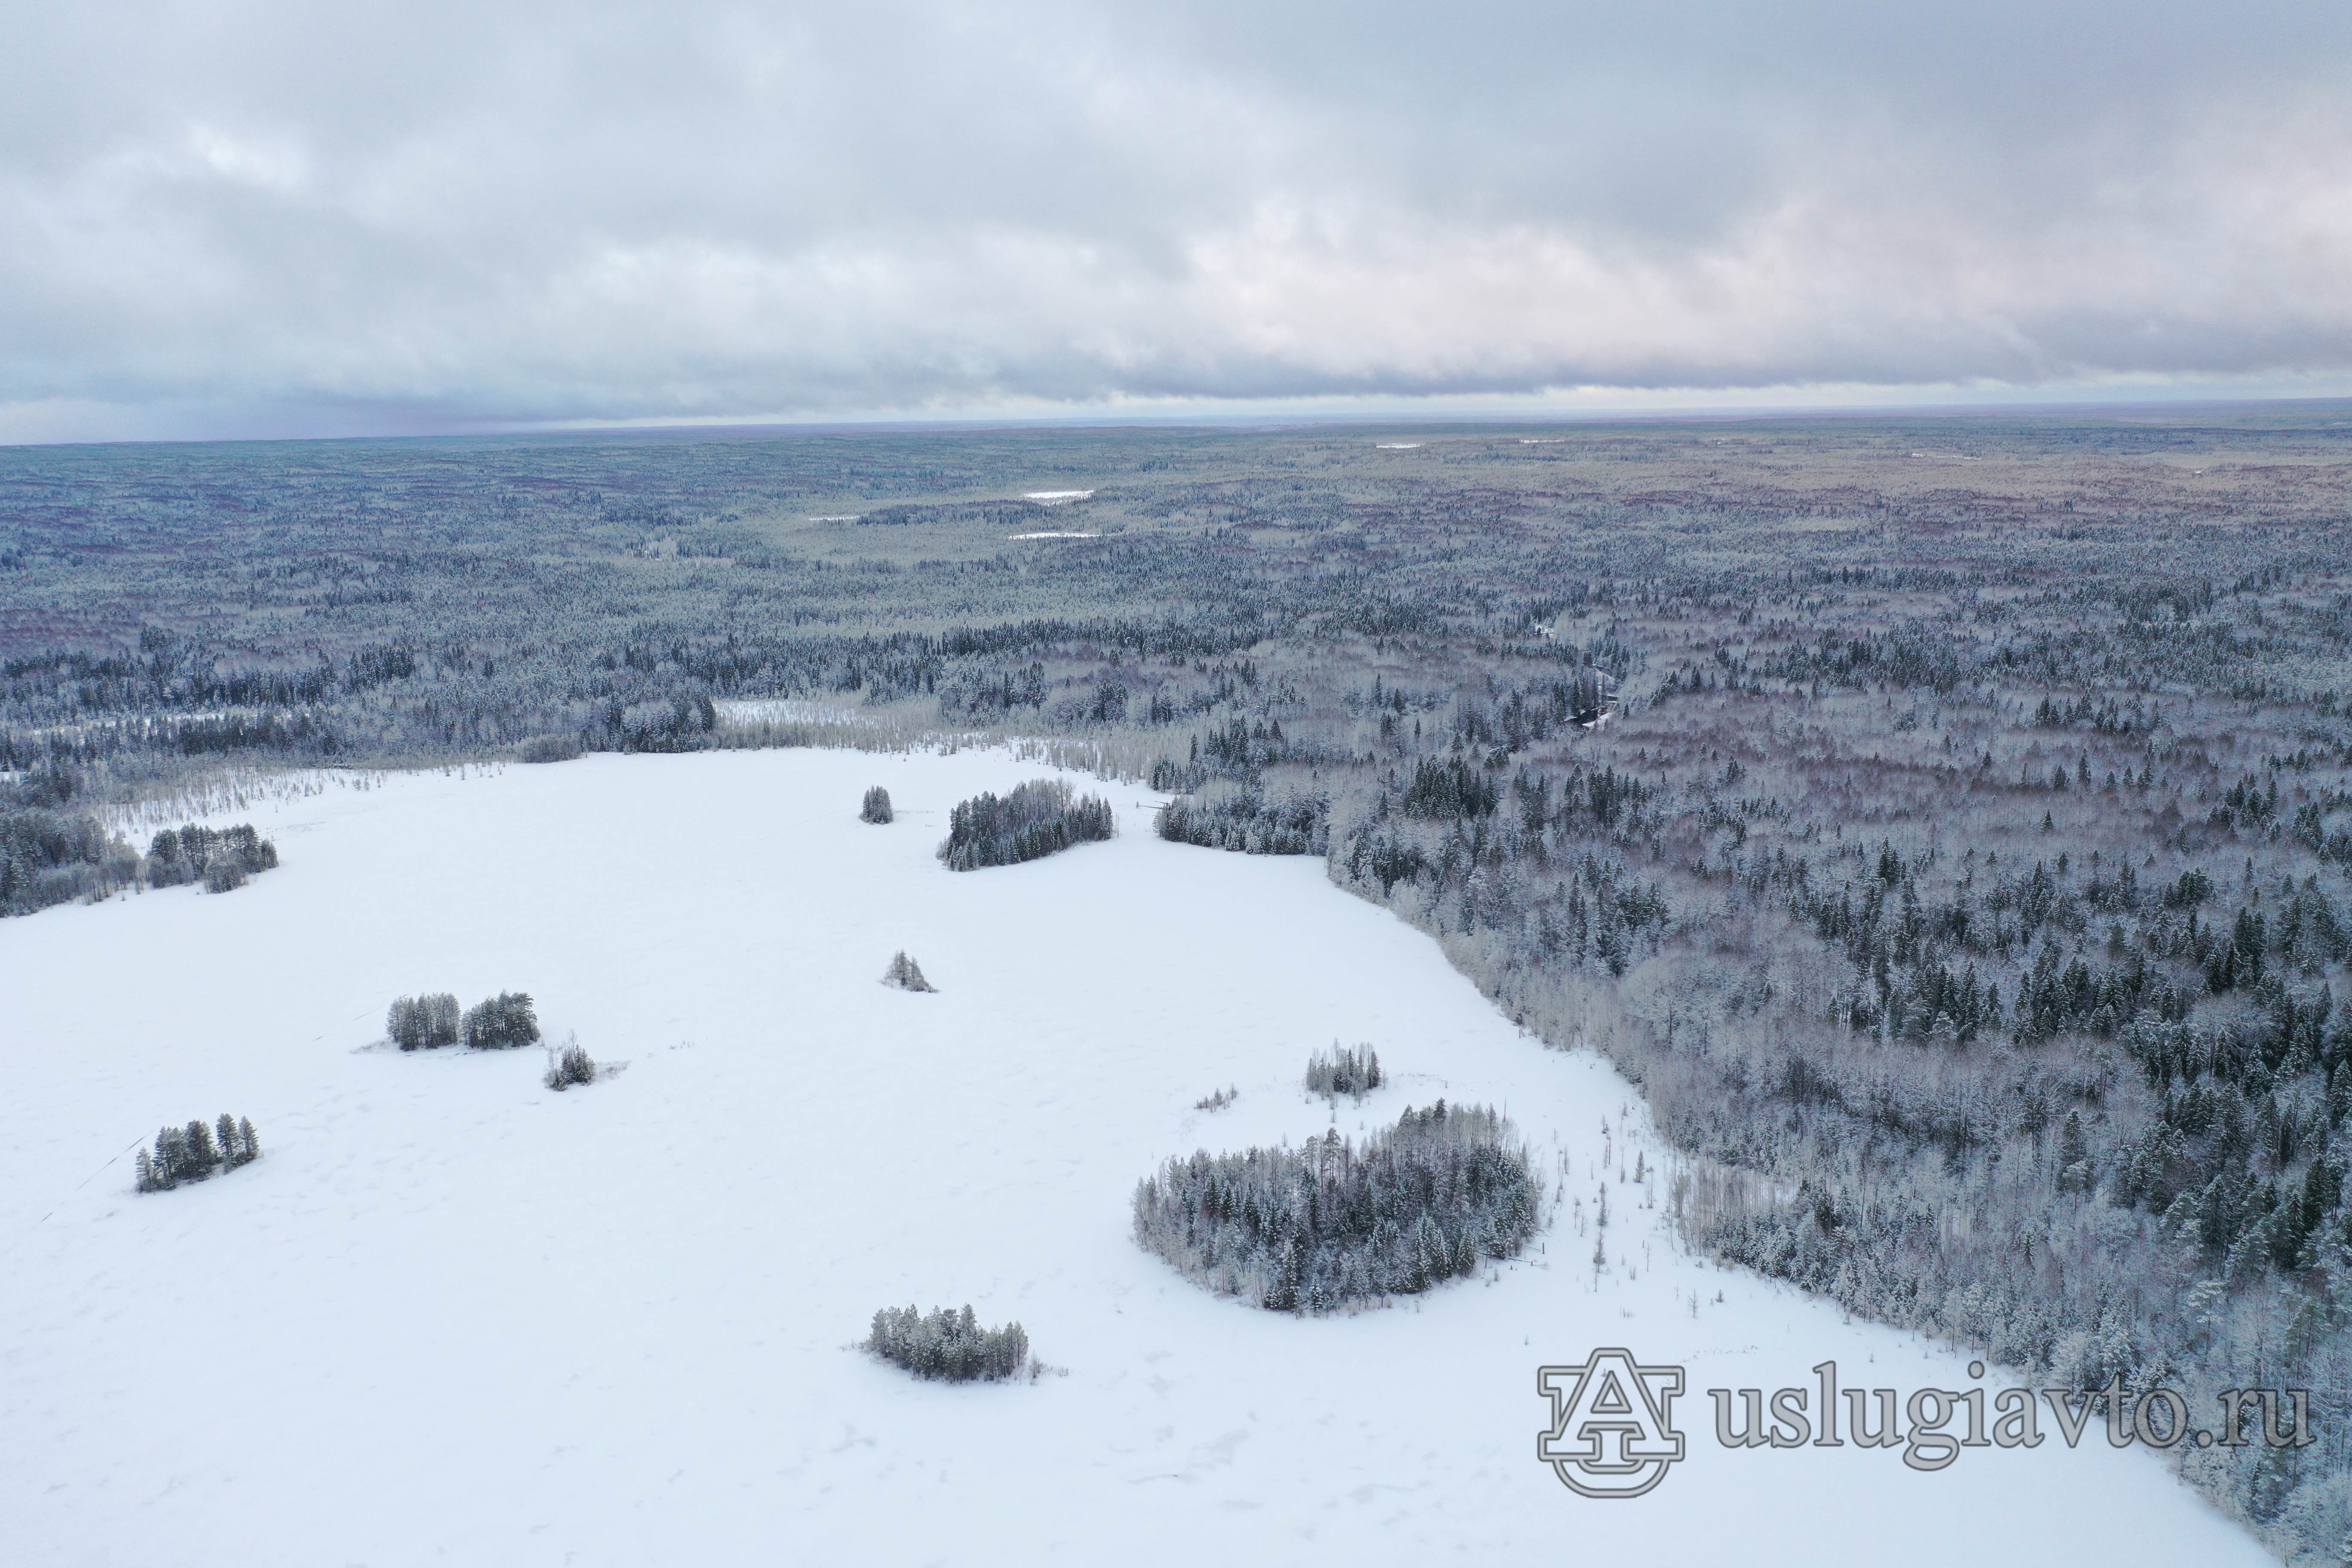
<point x="1397" y="446"/>
<point x="837" y="517"/>
<point x="1543" y="441"/>
<point x="1055" y="498"/>
<point x="451" y="1316"/>
<point x="1059" y="533"/>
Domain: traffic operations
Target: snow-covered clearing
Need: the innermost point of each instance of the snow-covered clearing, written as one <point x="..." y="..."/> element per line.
<point x="1055" y="498"/>
<point x="452" y="1317"/>
<point x="1059" y="533"/>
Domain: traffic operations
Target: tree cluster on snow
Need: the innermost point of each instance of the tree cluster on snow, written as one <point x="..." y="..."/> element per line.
<point x="195" y="1151"/>
<point x="571" y="1066"/>
<point x="219" y="858"/>
<point x="906" y="975"/>
<point x="948" y="1346"/>
<point x="877" y="808"/>
<point x="1313" y="1228"/>
<point x="1034" y="820"/>
<point x="422" y="1022"/>
<point x="497" y="1023"/>
<point x="503" y="1021"/>
<point x="1352" y="1070"/>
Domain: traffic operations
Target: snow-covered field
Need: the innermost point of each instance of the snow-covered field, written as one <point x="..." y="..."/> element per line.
<point x="452" y="1317"/>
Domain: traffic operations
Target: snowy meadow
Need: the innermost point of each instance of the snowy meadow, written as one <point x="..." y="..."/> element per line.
<point x="456" y="1316"/>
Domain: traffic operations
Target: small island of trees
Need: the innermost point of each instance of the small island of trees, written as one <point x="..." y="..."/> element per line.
<point x="1035" y="820"/>
<point x="1315" y="1228"/>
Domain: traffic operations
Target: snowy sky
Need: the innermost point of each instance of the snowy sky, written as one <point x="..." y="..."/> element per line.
<point x="242" y="216"/>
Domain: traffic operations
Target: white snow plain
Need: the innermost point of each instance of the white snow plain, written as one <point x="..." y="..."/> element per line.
<point x="453" y="1317"/>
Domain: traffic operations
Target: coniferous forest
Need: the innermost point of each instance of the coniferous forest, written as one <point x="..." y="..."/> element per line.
<point x="1315" y="1228"/>
<point x="1946" y="823"/>
<point x="1033" y="820"/>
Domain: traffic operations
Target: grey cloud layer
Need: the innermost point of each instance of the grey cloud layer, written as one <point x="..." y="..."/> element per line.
<point x="582" y="211"/>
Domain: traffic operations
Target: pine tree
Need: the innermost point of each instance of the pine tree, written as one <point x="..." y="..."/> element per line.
<point x="224" y="1131"/>
<point x="147" y="1182"/>
<point x="248" y="1144"/>
<point x="201" y="1156"/>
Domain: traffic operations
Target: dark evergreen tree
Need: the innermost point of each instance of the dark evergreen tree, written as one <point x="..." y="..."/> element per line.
<point x="877" y="808"/>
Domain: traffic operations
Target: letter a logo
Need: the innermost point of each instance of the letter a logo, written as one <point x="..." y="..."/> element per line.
<point x="1612" y="1432"/>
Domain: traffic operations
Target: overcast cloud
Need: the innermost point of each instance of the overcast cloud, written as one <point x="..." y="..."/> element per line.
<point x="251" y="217"/>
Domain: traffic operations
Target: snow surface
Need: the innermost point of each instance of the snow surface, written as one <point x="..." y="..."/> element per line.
<point x="452" y="1317"/>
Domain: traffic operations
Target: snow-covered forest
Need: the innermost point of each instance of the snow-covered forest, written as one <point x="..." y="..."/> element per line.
<point x="1946" y="825"/>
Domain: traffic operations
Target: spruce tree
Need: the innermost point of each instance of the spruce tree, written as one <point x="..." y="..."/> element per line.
<point x="201" y="1157"/>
